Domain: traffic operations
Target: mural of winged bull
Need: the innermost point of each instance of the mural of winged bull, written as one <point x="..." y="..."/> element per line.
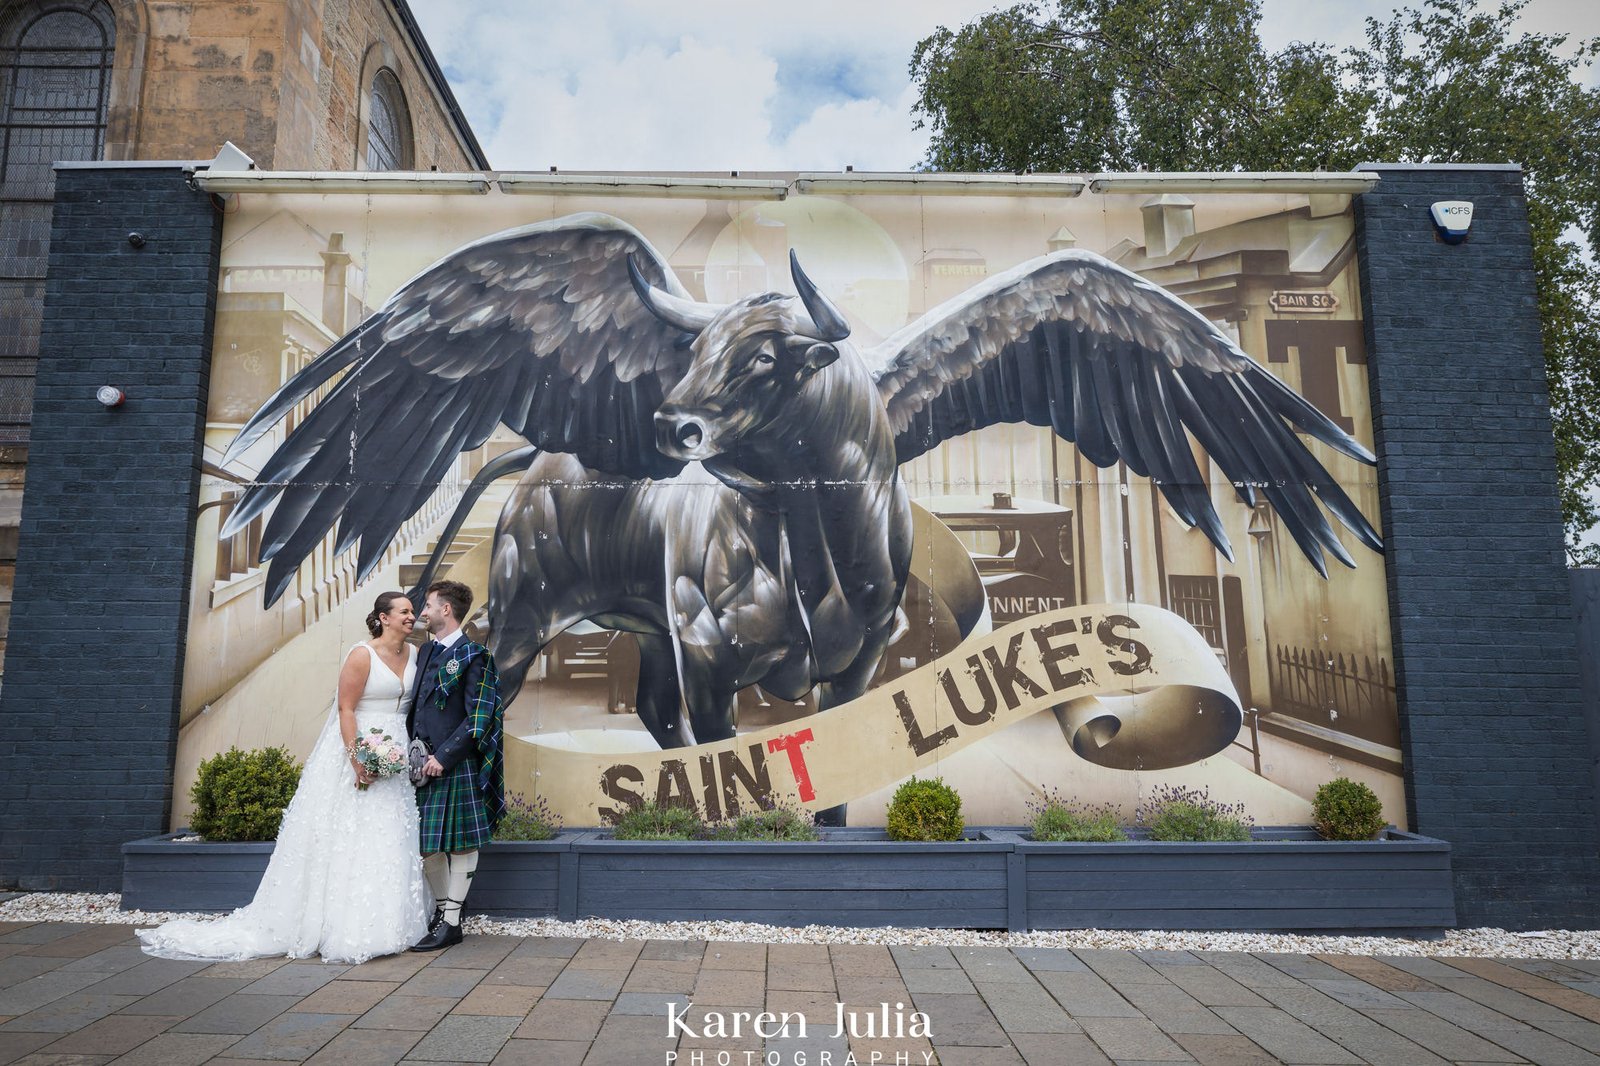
<point x="785" y="567"/>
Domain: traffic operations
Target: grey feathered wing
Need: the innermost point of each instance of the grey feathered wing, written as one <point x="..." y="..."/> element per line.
<point x="537" y="328"/>
<point x="1128" y="372"/>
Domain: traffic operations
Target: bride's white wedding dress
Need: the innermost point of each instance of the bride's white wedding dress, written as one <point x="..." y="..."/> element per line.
<point x="345" y="880"/>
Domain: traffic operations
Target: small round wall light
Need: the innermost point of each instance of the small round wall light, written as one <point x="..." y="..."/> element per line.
<point x="109" y="396"/>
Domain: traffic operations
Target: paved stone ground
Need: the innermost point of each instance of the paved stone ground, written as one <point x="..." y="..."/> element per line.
<point x="86" y="994"/>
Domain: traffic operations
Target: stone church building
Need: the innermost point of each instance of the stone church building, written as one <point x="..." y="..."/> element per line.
<point x="298" y="85"/>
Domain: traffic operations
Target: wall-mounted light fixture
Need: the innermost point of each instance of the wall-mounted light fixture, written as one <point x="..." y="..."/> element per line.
<point x="109" y="396"/>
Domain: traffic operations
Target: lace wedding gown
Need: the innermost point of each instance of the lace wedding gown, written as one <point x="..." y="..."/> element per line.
<point x="345" y="880"/>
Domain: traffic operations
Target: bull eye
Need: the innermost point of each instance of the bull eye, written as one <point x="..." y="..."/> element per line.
<point x="766" y="359"/>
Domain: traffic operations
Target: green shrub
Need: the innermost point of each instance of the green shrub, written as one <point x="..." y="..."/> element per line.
<point x="1177" y="813"/>
<point x="1347" y="810"/>
<point x="527" y="821"/>
<point x="651" y="821"/>
<point x="240" y="795"/>
<point x="779" y="823"/>
<point x="1055" y="818"/>
<point x="925" y="810"/>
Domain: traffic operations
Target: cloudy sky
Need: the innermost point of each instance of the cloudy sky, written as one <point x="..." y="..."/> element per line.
<point x="745" y="84"/>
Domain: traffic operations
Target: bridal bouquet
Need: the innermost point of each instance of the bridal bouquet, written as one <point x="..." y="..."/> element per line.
<point x="380" y="755"/>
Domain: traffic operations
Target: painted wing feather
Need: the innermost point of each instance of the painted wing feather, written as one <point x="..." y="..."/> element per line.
<point x="536" y="328"/>
<point x="1129" y="373"/>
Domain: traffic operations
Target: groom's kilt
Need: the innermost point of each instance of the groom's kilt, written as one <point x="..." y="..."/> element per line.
<point x="451" y="812"/>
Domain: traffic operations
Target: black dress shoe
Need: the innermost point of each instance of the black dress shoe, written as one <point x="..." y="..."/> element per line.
<point x="442" y="937"/>
<point x="438" y="916"/>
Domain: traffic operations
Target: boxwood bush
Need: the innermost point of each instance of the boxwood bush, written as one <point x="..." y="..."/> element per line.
<point x="925" y="810"/>
<point x="240" y="795"/>
<point x="1347" y="810"/>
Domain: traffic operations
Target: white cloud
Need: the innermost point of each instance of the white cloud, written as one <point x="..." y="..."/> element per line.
<point x="632" y="85"/>
<point x="746" y="84"/>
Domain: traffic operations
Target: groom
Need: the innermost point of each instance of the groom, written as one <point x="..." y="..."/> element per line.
<point x="456" y="711"/>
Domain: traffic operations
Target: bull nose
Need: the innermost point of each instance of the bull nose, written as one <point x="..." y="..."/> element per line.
<point x="678" y="434"/>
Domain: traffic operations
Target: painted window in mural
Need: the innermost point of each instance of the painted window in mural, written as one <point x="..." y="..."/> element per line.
<point x="784" y="501"/>
<point x="55" y="72"/>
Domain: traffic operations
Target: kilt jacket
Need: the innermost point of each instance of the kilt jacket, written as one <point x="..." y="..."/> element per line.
<point x="456" y="709"/>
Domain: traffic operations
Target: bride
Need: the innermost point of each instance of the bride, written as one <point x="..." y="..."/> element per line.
<point x="345" y="880"/>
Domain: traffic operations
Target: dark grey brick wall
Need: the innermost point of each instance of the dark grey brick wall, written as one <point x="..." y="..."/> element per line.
<point x="89" y="712"/>
<point x="1492" y="721"/>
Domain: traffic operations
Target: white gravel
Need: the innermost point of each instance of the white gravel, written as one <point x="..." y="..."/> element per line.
<point x="1490" y="943"/>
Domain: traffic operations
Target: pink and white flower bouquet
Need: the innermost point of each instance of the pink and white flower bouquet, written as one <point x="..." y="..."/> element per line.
<point x="380" y="755"/>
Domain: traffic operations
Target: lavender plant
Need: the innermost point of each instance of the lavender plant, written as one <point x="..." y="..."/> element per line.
<point x="526" y="820"/>
<point x="1057" y="818"/>
<point x="1176" y="813"/>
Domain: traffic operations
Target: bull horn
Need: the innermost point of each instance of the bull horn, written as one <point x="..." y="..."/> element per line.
<point x="687" y="315"/>
<point x="827" y="324"/>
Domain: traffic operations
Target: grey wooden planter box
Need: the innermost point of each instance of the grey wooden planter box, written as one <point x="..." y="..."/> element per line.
<point x="1286" y="878"/>
<point x="516" y="879"/>
<point x="852" y="877"/>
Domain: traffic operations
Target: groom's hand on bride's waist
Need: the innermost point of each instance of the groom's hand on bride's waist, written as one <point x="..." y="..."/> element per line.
<point x="433" y="768"/>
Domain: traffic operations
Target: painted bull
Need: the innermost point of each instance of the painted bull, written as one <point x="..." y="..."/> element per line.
<point x="723" y="481"/>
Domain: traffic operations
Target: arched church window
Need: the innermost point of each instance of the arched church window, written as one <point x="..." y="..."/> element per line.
<point x="55" y="75"/>
<point x="389" y="129"/>
<point x="55" y="84"/>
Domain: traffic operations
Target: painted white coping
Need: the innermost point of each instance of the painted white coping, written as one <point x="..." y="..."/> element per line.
<point x="770" y="188"/>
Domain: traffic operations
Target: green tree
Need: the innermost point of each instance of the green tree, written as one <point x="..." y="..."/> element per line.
<point x="1091" y="85"/>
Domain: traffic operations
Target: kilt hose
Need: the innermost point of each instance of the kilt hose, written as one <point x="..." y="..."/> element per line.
<point x="451" y="812"/>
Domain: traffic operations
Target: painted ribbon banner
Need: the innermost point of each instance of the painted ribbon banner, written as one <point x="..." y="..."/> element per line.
<point x="1135" y="687"/>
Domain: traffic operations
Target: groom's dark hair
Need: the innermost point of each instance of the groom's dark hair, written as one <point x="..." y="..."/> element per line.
<point x="457" y="595"/>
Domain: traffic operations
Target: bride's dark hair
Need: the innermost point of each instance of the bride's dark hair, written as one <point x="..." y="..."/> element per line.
<point x="385" y="599"/>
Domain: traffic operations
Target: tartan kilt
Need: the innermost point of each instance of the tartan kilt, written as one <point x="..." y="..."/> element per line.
<point x="451" y="812"/>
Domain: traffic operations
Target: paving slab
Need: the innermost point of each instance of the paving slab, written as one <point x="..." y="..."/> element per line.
<point x="149" y="976"/>
<point x="1280" y="1035"/>
<point x="460" y="1038"/>
<point x="1132" y="1039"/>
<point x="555" y="1019"/>
<point x="67" y="1014"/>
<point x="366" y="1047"/>
<point x="862" y="960"/>
<point x="734" y="956"/>
<point x="15" y="969"/>
<point x="1545" y="1049"/>
<point x="630" y="1040"/>
<point x="345" y="997"/>
<point x="116" y="1034"/>
<point x="476" y="953"/>
<point x="35" y="992"/>
<point x="1069" y="1050"/>
<point x="95" y="998"/>
<point x="1210" y="1050"/>
<point x="239" y="1015"/>
<point x="542" y="1053"/>
<point x="953" y="1020"/>
<point x="1027" y="1009"/>
<point x="681" y="950"/>
<point x="1085" y="995"/>
<point x="1058" y="960"/>
<point x="411" y="1013"/>
<point x="178" y="1049"/>
<point x="1442" y="1037"/>
<point x="499" y="1000"/>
